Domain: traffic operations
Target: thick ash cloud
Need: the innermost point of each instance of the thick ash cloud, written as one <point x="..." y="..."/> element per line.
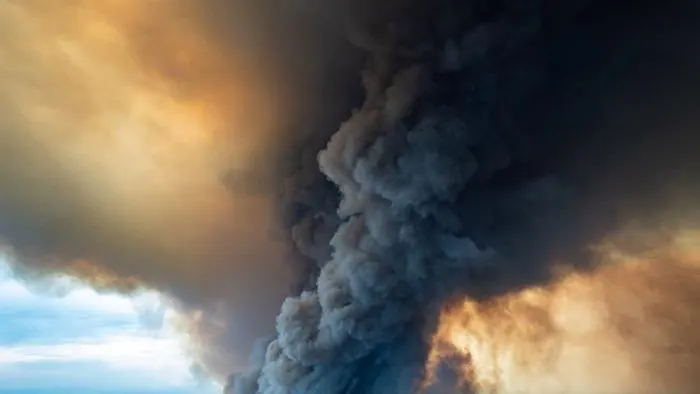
<point x="402" y="151"/>
<point x="456" y="174"/>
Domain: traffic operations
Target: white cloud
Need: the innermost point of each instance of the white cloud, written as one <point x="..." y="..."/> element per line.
<point x="77" y="297"/>
<point x="157" y="357"/>
<point x="88" y="340"/>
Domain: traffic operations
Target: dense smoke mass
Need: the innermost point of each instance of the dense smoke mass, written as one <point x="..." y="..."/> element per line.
<point x="379" y="164"/>
<point x="626" y="327"/>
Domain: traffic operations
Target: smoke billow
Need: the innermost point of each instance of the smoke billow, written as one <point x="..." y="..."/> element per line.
<point x="626" y="327"/>
<point x="455" y="178"/>
<point x="392" y="156"/>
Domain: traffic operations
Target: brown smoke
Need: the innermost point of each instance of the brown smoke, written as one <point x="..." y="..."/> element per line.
<point x="118" y="120"/>
<point x="629" y="326"/>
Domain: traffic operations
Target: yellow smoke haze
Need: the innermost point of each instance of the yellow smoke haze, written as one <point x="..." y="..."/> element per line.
<point x="630" y="326"/>
<point x="144" y="149"/>
<point x="119" y="118"/>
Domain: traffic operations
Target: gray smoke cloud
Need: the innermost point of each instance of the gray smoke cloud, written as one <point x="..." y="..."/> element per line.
<point x="401" y="237"/>
<point x="443" y="174"/>
<point x="403" y="152"/>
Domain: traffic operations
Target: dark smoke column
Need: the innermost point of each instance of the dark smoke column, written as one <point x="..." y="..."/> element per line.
<point x="426" y="177"/>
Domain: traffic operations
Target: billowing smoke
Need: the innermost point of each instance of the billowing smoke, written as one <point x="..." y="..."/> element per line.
<point x="628" y="326"/>
<point x="455" y="178"/>
<point x="392" y="156"/>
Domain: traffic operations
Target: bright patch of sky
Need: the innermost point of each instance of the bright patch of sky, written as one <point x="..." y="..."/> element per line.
<point x="82" y="342"/>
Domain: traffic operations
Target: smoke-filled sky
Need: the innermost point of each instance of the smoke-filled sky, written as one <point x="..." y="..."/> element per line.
<point x="328" y="194"/>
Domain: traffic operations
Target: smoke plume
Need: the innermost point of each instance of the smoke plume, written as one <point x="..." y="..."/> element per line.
<point x="373" y="162"/>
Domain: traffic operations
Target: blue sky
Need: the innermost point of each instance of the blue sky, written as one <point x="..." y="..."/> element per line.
<point x="86" y="343"/>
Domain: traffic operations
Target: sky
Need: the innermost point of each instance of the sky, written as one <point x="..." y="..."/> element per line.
<point x="74" y="340"/>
